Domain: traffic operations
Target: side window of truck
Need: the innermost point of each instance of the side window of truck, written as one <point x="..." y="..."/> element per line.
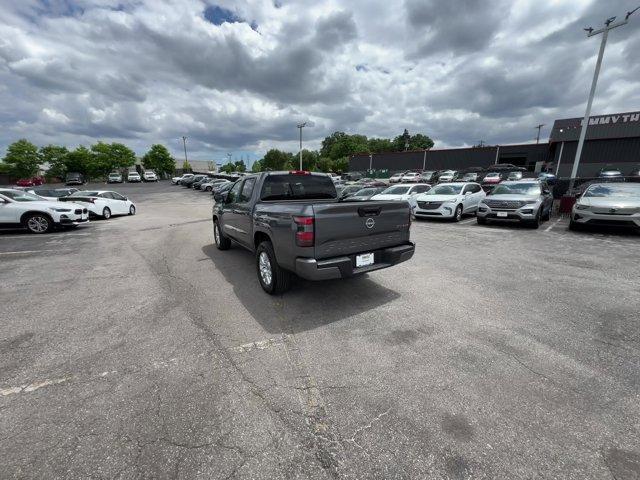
<point x="234" y="193"/>
<point x="247" y="190"/>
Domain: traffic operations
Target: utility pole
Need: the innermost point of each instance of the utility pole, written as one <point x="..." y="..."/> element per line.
<point x="539" y="127"/>
<point x="608" y="25"/>
<point x="481" y="143"/>
<point x="184" y="143"/>
<point x="300" y="127"/>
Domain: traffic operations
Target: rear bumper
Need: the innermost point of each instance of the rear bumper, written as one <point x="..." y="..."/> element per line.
<point x="344" y="267"/>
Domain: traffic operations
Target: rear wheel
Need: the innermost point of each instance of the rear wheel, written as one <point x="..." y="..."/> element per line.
<point x="457" y="216"/>
<point x="132" y="210"/>
<point x="273" y="279"/>
<point x="38" y="223"/>
<point x="106" y="213"/>
<point x="222" y="242"/>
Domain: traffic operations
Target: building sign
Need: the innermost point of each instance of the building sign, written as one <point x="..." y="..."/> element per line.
<point x="601" y="127"/>
<point x="613" y="119"/>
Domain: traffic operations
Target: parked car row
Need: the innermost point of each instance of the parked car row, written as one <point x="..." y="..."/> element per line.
<point x="204" y="183"/>
<point x="133" y="177"/>
<point x="41" y="210"/>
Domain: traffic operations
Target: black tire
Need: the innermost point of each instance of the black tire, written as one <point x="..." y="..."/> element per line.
<point x="132" y="210"/>
<point x="547" y="216"/>
<point x="535" y="224"/>
<point x="457" y="216"/>
<point x="38" y="223"/>
<point x="222" y="242"/>
<point x="481" y="220"/>
<point x="575" y="226"/>
<point x="106" y="213"/>
<point x="280" y="279"/>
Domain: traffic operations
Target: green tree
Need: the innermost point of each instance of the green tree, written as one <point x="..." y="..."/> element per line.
<point x="379" y="145"/>
<point x="276" y="159"/>
<point x="227" y="168"/>
<point x="159" y="160"/>
<point x="325" y="164"/>
<point x="341" y="165"/>
<point x="416" y="142"/>
<point x="23" y="158"/>
<point x="186" y="166"/>
<point x="56" y="157"/>
<point x="348" y="145"/>
<point x="329" y="142"/>
<point x="256" y="167"/>
<point x="110" y="157"/>
<point x="239" y="166"/>
<point x="79" y="160"/>
<point x="309" y="160"/>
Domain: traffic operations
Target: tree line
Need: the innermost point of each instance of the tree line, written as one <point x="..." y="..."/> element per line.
<point x="335" y="150"/>
<point x="23" y="159"/>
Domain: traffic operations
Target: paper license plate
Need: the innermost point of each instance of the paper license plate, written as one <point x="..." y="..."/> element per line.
<point x="502" y="214"/>
<point x="364" y="259"/>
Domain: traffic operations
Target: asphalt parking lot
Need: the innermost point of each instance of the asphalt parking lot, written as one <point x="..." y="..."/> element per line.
<point x="133" y="348"/>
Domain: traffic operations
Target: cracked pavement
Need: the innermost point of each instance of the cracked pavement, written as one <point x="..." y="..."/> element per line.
<point x="141" y="351"/>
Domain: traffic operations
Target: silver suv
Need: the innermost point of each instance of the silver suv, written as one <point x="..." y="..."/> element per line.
<point x="526" y="201"/>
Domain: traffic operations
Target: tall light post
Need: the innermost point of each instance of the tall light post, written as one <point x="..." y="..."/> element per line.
<point x="539" y="127"/>
<point x="184" y="143"/>
<point x="609" y="24"/>
<point x="300" y="127"/>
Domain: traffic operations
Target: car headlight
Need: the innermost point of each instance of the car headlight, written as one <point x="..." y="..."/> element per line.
<point x="582" y="206"/>
<point x="66" y="210"/>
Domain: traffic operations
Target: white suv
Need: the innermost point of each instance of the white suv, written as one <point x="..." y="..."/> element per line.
<point x="133" y="177"/>
<point x="25" y="210"/>
<point x="150" y="176"/>
<point x="449" y="200"/>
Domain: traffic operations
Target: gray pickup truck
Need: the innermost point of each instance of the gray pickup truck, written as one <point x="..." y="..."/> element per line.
<point x="295" y="224"/>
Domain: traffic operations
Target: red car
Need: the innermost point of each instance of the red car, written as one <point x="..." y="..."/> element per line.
<point x="30" y="182"/>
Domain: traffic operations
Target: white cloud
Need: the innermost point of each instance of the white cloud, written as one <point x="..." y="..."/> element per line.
<point x="143" y="72"/>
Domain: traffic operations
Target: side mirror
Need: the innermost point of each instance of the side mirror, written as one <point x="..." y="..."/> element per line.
<point x="220" y="197"/>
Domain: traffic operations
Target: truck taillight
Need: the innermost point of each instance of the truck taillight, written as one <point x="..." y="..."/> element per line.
<point x="304" y="231"/>
<point x="299" y="172"/>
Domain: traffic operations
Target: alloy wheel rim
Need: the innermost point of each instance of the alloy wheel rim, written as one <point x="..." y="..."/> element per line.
<point x="132" y="210"/>
<point x="459" y="213"/>
<point x="216" y="234"/>
<point x="107" y="213"/>
<point x="265" y="268"/>
<point x="38" y="224"/>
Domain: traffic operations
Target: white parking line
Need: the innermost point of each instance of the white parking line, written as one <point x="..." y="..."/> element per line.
<point x="553" y="225"/>
<point x="18" y="252"/>
<point x="469" y="220"/>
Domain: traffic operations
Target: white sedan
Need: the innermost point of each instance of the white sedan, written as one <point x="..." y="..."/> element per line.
<point x="406" y="193"/>
<point x="25" y="210"/>
<point x="449" y="200"/>
<point x="177" y="180"/>
<point x="410" y="177"/>
<point x="103" y="203"/>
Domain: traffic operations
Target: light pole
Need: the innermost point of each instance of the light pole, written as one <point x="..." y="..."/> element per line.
<point x="539" y="127"/>
<point x="184" y="143"/>
<point x="300" y="127"/>
<point x="608" y="25"/>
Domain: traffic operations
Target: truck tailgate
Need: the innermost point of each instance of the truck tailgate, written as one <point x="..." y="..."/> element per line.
<point x="345" y="228"/>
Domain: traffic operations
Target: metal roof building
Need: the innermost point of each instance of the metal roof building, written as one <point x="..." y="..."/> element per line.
<point x="612" y="139"/>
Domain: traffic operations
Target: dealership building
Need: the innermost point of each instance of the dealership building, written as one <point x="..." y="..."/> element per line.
<point x="612" y="140"/>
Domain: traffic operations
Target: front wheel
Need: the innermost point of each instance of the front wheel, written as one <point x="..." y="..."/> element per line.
<point x="457" y="216"/>
<point x="39" y="223"/>
<point x="132" y="210"/>
<point x="222" y="242"/>
<point x="273" y="278"/>
<point x="106" y="213"/>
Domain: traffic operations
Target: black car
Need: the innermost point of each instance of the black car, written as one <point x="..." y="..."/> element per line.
<point x="74" y="178"/>
<point x="188" y="182"/>
<point x="198" y="183"/>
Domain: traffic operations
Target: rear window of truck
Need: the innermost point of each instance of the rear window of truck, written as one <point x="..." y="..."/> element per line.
<point x="297" y="187"/>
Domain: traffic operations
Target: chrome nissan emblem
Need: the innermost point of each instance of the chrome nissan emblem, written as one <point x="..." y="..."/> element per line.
<point x="612" y="210"/>
<point x="370" y="222"/>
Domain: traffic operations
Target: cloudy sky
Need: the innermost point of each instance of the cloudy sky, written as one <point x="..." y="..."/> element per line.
<point x="236" y="76"/>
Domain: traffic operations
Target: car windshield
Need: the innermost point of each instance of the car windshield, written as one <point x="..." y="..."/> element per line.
<point x="366" y="192"/>
<point x="517" y="189"/>
<point x="624" y="191"/>
<point x="114" y="174"/>
<point x="84" y="194"/>
<point x="445" y="190"/>
<point x="21" y="196"/>
<point x="396" y="190"/>
<point x="492" y="175"/>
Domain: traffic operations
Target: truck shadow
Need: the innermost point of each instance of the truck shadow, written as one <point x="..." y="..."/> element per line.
<point x="308" y="305"/>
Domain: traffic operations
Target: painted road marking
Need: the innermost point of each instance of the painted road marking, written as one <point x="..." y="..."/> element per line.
<point x="259" y="345"/>
<point x="553" y="225"/>
<point x="32" y="387"/>
<point x="469" y="220"/>
<point x="19" y="252"/>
